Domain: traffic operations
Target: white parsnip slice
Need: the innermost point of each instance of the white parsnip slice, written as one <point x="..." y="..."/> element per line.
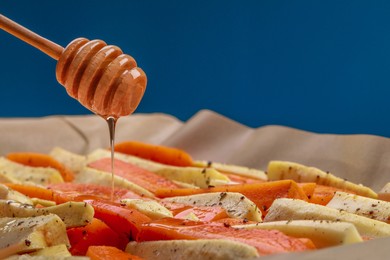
<point x="235" y="204"/>
<point x="233" y="169"/>
<point x="72" y="161"/>
<point x="6" y="178"/>
<point x="359" y="205"/>
<point x="19" y="235"/>
<point x="10" y="194"/>
<point x="201" y="177"/>
<point x="323" y="233"/>
<point x="53" y="251"/>
<point x="73" y="214"/>
<point x="205" y="249"/>
<point x="190" y="216"/>
<point x="150" y="208"/>
<point x="89" y="175"/>
<point x="42" y="202"/>
<point x="384" y="193"/>
<point x="293" y="209"/>
<point x="282" y="170"/>
<point x="26" y="174"/>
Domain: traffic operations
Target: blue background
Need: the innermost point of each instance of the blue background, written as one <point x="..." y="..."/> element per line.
<point x="321" y="66"/>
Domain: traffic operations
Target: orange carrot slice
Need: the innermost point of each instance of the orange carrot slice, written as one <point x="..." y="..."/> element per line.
<point x="135" y="174"/>
<point x="33" y="191"/>
<point x="234" y="221"/>
<point x="108" y="253"/>
<point x="157" y="153"/>
<point x="95" y="233"/>
<point x="42" y="193"/>
<point x="308" y="188"/>
<point x="74" y="190"/>
<point x="205" y="214"/>
<point x="124" y="221"/>
<point x="262" y="194"/>
<point x="41" y="160"/>
<point x="323" y="194"/>
<point x="241" y="179"/>
<point x="265" y="241"/>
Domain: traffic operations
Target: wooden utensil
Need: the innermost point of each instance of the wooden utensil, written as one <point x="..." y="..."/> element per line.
<point x="99" y="76"/>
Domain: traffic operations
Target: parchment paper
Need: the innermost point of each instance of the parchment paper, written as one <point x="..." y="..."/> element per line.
<point x="210" y="136"/>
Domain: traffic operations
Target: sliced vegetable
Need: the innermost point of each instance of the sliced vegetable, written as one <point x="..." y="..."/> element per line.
<point x="359" y="205"/>
<point x="33" y="191"/>
<point x="290" y="209"/>
<point x="135" y="174"/>
<point x="6" y="178"/>
<point x="322" y="233"/>
<point x="205" y="249"/>
<point x="308" y="188"/>
<point x="42" y="203"/>
<point x="19" y="235"/>
<point x="41" y="160"/>
<point x="235" y="204"/>
<point x="157" y="153"/>
<point x="124" y="221"/>
<point x="7" y="193"/>
<point x="262" y="194"/>
<point x="237" y="179"/>
<point x="104" y="192"/>
<point x="109" y="252"/>
<point x="191" y="175"/>
<point x="95" y="233"/>
<point x="92" y="176"/>
<point x="384" y="193"/>
<point x="57" y="251"/>
<point x="323" y="194"/>
<point x="150" y="208"/>
<point x="265" y="241"/>
<point x="27" y="174"/>
<point x="72" y="161"/>
<point x="230" y="169"/>
<point x="73" y="214"/>
<point x="280" y="170"/>
<point x="235" y="221"/>
<point x="204" y="213"/>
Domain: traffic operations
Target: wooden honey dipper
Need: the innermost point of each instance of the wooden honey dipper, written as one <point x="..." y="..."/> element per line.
<point x="99" y="76"/>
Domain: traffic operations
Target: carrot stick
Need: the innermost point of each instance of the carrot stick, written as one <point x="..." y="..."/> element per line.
<point x="108" y="253"/>
<point x="95" y="233"/>
<point x="104" y="192"/>
<point x="323" y="194"/>
<point x="33" y="191"/>
<point x="157" y="153"/>
<point x="240" y="179"/>
<point x="41" y="160"/>
<point x="308" y="188"/>
<point x="234" y="221"/>
<point x="265" y="241"/>
<point x="144" y="178"/>
<point x="124" y="221"/>
<point x="204" y="213"/>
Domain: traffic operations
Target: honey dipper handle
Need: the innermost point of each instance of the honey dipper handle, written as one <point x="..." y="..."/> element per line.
<point x="50" y="48"/>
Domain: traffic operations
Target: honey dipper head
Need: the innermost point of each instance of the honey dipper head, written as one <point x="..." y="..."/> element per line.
<point x="101" y="77"/>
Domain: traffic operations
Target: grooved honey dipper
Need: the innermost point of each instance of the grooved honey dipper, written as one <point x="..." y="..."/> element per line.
<point x="99" y="76"/>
